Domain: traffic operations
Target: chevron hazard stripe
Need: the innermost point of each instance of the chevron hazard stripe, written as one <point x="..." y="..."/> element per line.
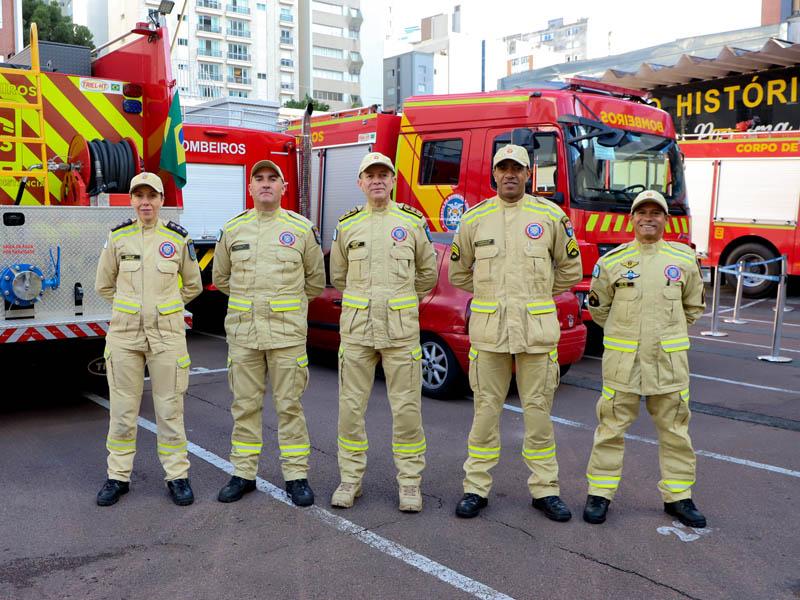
<point x="62" y="331"/>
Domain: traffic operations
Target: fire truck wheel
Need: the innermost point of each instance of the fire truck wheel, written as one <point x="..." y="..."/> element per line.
<point x="754" y="252"/>
<point x="441" y="375"/>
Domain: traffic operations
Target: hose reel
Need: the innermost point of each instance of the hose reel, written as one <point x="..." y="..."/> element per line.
<point x="99" y="167"/>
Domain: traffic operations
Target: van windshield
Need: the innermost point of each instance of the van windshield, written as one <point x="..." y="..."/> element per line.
<point x="608" y="178"/>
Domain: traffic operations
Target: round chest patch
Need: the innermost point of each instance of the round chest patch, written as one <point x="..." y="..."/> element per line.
<point x="452" y="209"/>
<point x="287" y="238"/>
<point x="672" y="272"/>
<point x="167" y="249"/>
<point x="534" y="231"/>
<point x="399" y="234"/>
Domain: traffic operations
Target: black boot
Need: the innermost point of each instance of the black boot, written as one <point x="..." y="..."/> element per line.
<point x="686" y="512"/>
<point x="180" y="491"/>
<point x="235" y="489"/>
<point x="300" y="492"/>
<point x="111" y="491"/>
<point x="596" y="509"/>
<point x="553" y="508"/>
<point x="470" y="506"/>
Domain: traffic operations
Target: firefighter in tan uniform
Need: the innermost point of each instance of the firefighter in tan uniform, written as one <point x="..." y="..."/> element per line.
<point x="383" y="261"/>
<point x="645" y="294"/>
<point x="269" y="263"/>
<point x="148" y="271"/>
<point x="515" y="252"/>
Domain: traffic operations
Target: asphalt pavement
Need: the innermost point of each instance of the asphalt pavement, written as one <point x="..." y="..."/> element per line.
<point x="56" y="543"/>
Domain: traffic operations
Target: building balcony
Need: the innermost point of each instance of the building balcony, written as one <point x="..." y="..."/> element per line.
<point x="238" y="33"/>
<point x="240" y="80"/>
<point x="355" y="19"/>
<point x="209" y="76"/>
<point x="209" y="29"/>
<point x="287" y="87"/>
<point x="239" y="56"/>
<point x="287" y="19"/>
<point x="354" y="63"/>
<point x="212" y="4"/>
<point x="238" y="9"/>
<point x="210" y="53"/>
<point x="287" y="41"/>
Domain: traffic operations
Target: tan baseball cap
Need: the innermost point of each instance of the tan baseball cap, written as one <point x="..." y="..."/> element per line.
<point x="266" y="164"/>
<point x="512" y="152"/>
<point x="145" y="178"/>
<point x="375" y="158"/>
<point x="650" y="196"/>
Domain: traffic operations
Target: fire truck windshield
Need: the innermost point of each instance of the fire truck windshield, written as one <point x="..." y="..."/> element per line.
<point x="607" y="176"/>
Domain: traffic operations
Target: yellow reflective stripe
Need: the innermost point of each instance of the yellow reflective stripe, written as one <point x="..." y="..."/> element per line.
<point x="481" y="306"/>
<point x="246" y="447"/>
<point x="285" y="305"/>
<point x="348" y="223"/>
<point x="607" y="393"/>
<point x="296" y="450"/>
<point x="416" y="353"/>
<point x="126" y="306"/>
<point x="478" y="100"/>
<point x="341" y="351"/>
<point x="239" y="304"/>
<point x="184" y="361"/>
<point x="677" y="254"/>
<point x="106" y="353"/>
<point x="479" y="452"/>
<point x="354" y="301"/>
<point x="473" y="354"/>
<point x="618" y="258"/>
<point x="675" y="345"/>
<point x="113" y="444"/>
<point x="606" y="223"/>
<point x="592" y="221"/>
<point x="676" y="485"/>
<point x="481" y="212"/>
<point x="621" y="345"/>
<point x="302" y="360"/>
<point x="685" y="224"/>
<point x="667" y="227"/>
<point x="619" y="222"/>
<point x="293" y="224"/>
<point x="354" y="445"/>
<point x="124" y="232"/>
<point x="543" y="210"/>
<point x="248" y="218"/>
<point x="684" y="395"/>
<point x="609" y="482"/>
<point x="403" y="302"/>
<point x="229" y="362"/>
<point x="170" y="307"/>
<point x="548" y="452"/>
<point x="554" y="355"/>
<point x="541" y="308"/>
<point x="170" y="234"/>
<point x="165" y="449"/>
<point x="336" y="121"/>
<point x="410" y="219"/>
<point x="415" y="448"/>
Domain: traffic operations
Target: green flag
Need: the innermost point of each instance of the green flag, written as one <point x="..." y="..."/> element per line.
<point x="173" y="156"/>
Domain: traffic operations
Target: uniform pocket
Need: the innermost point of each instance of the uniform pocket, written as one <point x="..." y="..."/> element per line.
<point x="403" y="317"/>
<point x="357" y="265"/>
<point x="484" y="259"/>
<point x="241" y="269"/>
<point x="673" y="360"/>
<point x="473" y="370"/>
<point x="182" y="375"/>
<point x="554" y="372"/>
<point x="354" y="314"/>
<point x="673" y="294"/>
<point x="485" y="321"/>
<point x="542" y="323"/>
<point x="301" y="379"/>
<point x="619" y="356"/>
<point x="109" y="367"/>
<point x="290" y="262"/>
<point x="402" y="259"/>
<point x="537" y="268"/>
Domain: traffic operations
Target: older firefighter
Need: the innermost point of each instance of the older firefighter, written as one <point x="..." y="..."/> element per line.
<point x="269" y="262"/>
<point x="645" y="294"/>
<point x="140" y="271"/>
<point x="383" y="260"/>
<point x="515" y="252"/>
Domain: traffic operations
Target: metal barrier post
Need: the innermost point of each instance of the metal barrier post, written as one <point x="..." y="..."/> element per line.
<point x="784" y="269"/>
<point x="738" y="301"/>
<point x="715" y="332"/>
<point x="780" y="303"/>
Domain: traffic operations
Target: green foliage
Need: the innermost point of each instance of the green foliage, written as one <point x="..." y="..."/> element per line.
<point x="52" y="25"/>
<point x="318" y="105"/>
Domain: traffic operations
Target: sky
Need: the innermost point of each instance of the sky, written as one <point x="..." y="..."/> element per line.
<point x="618" y="25"/>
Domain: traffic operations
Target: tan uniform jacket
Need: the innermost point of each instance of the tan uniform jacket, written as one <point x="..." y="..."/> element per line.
<point x="384" y="263"/>
<point x="149" y="274"/>
<point x="515" y="258"/>
<point x="270" y="265"/>
<point x="645" y="296"/>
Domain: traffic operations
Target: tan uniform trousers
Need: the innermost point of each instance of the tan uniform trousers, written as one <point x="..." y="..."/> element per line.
<point x="537" y="380"/>
<point x="670" y="412"/>
<point x="169" y="377"/>
<point x="403" y="369"/>
<point x="288" y="374"/>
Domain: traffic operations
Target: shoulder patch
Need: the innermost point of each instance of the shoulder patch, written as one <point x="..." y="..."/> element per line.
<point x="177" y="228"/>
<point x="596" y="270"/>
<point x="123" y="224"/>
<point x="317" y="236"/>
<point x="350" y="213"/>
<point x="192" y="252"/>
<point x="594" y="299"/>
<point x="411" y="210"/>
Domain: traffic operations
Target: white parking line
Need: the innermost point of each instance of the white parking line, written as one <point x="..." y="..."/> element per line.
<point x="387" y="546"/>
<point x="211" y="335"/>
<point x="639" y="438"/>
<point x="710" y="339"/>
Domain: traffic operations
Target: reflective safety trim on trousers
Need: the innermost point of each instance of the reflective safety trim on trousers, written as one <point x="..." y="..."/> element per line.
<point x="246" y="447"/>
<point x="481" y="306"/>
<point x="302" y="360"/>
<point x="113" y="444"/>
<point x="416" y="353"/>
<point x="478" y="452"/>
<point x="354" y="301"/>
<point x="675" y="345"/>
<point x="684" y="395"/>
<point x="284" y="305"/>
<point x="608" y="393"/>
<point x="674" y="485"/>
<point x="239" y="304"/>
<point x="541" y="308"/>
<point x="169" y="308"/>
<point x="481" y="212"/>
<point x="125" y="306"/>
<point x="541" y="454"/>
<point x="295" y="450"/>
<point x="415" y="448"/>
<point x="353" y="445"/>
<point x="165" y="449"/>
<point x="621" y="345"/>
<point x="473" y="354"/>
<point x="554" y="355"/>
<point x="403" y="302"/>
<point x="608" y="482"/>
<point x="184" y="361"/>
<point x="341" y="351"/>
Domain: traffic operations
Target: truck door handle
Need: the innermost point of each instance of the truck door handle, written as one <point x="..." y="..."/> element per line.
<point x="337" y="302"/>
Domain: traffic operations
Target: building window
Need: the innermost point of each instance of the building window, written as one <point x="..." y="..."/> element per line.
<point x="182" y="66"/>
<point x="286" y="15"/>
<point x="352" y="34"/>
<point x="208" y="48"/>
<point x="238" y="94"/>
<point x="441" y="162"/>
<point x="261" y="6"/>
<point x="207" y="91"/>
<point x="286" y="36"/>
<point x="183" y="42"/>
<point x="323" y="95"/>
<point x="238" y="51"/>
<point x="287" y="62"/>
<point x="262" y="76"/>
<point x="329" y="52"/>
<point x="326" y="29"/>
<point x="238" y="28"/>
<point x="333" y="9"/>
<point x="239" y="75"/>
<point x="209" y="72"/>
<point x="210" y="24"/>
<point x="328" y="74"/>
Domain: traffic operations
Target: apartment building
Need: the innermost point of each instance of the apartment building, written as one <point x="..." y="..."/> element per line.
<point x="558" y="43"/>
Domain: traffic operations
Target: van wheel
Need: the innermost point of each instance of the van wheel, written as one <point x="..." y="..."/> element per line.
<point x="441" y="374"/>
<point x="754" y="252"/>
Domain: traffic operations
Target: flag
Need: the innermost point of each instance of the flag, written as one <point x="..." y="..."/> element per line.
<point x="173" y="156"/>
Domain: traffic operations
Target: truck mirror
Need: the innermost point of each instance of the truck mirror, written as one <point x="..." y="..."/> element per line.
<point x="523" y="136"/>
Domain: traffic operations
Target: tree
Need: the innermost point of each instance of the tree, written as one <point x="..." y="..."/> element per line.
<point x="52" y="25"/>
<point x="318" y="105"/>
